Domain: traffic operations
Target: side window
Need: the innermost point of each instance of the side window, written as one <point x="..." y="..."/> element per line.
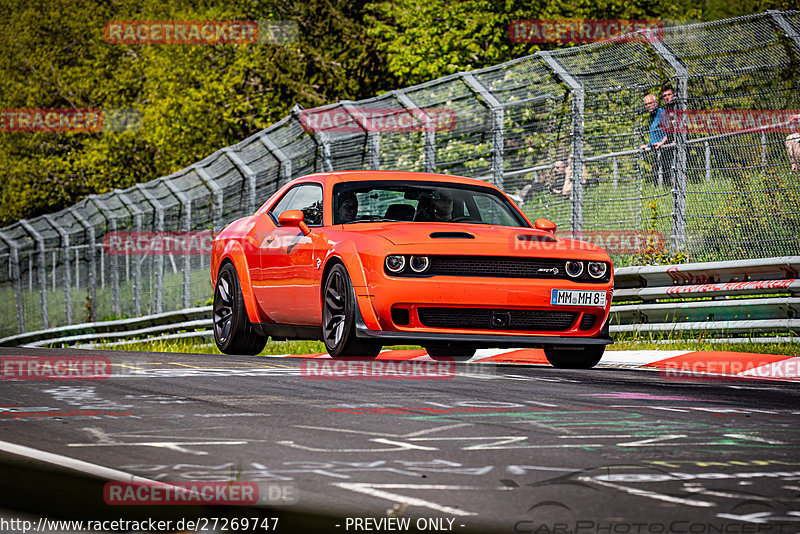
<point x="493" y="212"/>
<point x="306" y="198"/>
<point x="281" y="206"/>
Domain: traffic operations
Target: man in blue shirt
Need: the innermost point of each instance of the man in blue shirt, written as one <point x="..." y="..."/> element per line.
<point x="657" y="139"/>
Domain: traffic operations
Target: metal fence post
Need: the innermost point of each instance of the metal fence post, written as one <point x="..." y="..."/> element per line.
<point x="216" y="195"/>
<point x="707" y="147"/>
<point x="681" y="148"/>
<point x="429" y="135"/>
<point x="321" y="139"/>
<point x="576" y="215"/>
<point x="780" y="20"/>
<point x="41" y="269"/>
<point x="373" y="138"/>
<point x="284" y="161"/>
<point x="14" y="259"/>
<point x="249" y="177"/>
<point x="134" y="210"/>
<point x="107" y="214"/>
<point x="186" y="207"/>
<point x="159" y="258"/>
<point x="67" y="276"/>
<point x="498" y="126"/>
<point x="92" y="284"/>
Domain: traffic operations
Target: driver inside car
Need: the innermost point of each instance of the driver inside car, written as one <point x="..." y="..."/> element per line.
<point x="436" y="207"/>
<point x="348" y="207"/>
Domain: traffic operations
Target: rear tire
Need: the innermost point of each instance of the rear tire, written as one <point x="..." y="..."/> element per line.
<point x="450" y="351"/>
<point x="584" y="358"/>
<point x="339" y="318"/>
<point x="233" y="331"/>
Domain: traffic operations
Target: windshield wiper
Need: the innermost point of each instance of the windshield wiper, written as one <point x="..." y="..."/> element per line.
<point x="382" y="219"/>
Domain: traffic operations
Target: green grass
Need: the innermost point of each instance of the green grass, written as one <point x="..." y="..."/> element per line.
<point x="621" y="342"/>
<point x="696" y="342"/>
<point x="199" y="346"/>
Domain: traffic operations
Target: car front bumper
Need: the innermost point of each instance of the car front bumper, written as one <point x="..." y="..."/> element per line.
<point x="387" y="337"/>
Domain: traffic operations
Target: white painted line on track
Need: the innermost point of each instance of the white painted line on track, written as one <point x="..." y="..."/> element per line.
<point x="71" y="463"/>
<point x="636" y="358"/>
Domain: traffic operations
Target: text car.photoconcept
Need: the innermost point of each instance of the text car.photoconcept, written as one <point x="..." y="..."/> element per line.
<point x="366" y="259"/>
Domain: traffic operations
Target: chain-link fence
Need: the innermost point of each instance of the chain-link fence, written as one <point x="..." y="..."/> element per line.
<point x="529" y="126"/>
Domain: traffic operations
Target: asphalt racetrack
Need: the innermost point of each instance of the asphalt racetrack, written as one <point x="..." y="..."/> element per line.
<point x="485" y="448"/>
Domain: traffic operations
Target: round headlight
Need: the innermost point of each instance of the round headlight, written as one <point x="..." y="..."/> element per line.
<point x="597" y="269"/>
<point x="395" y="263"/>
<point x="419" y="264"/>
<point x="574" y="268"/>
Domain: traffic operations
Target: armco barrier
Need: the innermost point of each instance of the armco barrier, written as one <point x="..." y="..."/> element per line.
<point x="718" y="298"/>
<point x="728" y="298"/>
<point x="188" y="319"/>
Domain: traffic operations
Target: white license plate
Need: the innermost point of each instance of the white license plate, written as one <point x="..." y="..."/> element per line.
<point x="577" y="297"/>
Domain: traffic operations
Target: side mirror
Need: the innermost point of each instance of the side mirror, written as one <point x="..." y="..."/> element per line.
<point x="294" y="218"/>
<point x="545" y="224"/>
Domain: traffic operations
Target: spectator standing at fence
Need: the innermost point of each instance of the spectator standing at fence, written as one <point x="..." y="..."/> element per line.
<point x="657" y="136"/>
<point x="793" y="145"/>
<point x="562" y="182"/>
<point x="668" y="119"/>
<point x="527" y="191"/>
<point x="562" y="177"/>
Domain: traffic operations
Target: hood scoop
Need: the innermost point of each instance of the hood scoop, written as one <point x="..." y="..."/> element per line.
<point x="452" y="235"/>
<point x="537" y="238"/>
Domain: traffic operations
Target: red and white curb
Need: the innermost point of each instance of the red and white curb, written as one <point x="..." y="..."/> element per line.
<point x="677" y="364"/>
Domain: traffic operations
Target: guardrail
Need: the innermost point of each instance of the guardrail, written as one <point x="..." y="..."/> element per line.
<point x="719" y="298"/>
<point x="190" y="319"/>
<point x="750" y="297"/>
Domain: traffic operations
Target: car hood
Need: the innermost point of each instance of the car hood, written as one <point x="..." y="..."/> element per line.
<point x="433" y="234"/>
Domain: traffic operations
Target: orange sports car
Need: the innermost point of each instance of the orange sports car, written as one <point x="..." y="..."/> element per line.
<point x="363" y="259"/>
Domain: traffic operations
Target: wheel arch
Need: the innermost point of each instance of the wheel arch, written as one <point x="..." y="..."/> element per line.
<point x="348" y="257"/>
<point x="234" y="254"/>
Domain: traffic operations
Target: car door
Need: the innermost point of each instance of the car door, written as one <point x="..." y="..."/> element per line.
<point x="290" y="275"/>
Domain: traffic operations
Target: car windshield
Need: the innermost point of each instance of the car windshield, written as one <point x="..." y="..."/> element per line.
<point x="357" y="202"/>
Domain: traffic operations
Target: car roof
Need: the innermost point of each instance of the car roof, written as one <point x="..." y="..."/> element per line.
<point x="404" y="176"/>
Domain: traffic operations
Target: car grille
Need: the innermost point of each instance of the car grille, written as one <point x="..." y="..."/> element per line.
<point x="491" y="319"/>
<point x="587" y="322"/>
<point x="497" y="267"/>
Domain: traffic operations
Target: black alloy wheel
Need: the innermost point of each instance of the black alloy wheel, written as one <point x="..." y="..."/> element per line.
<point x="233" y="332"/>
<point x="339" y="318"/>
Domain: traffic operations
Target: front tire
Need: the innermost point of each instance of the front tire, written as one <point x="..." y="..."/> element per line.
<point x="450" y="351"/>
<point x="233" y="332"/>
<point x="583" y="358"/>
<point x="339" y="318"/>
